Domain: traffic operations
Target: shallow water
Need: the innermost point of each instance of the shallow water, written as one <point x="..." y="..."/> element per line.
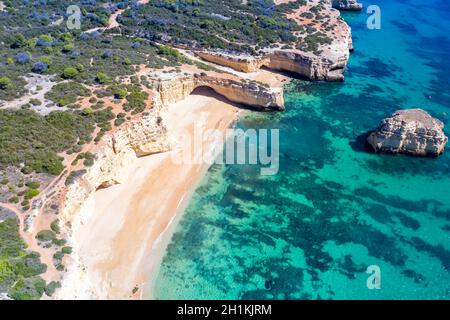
<point x="334" y="209"/>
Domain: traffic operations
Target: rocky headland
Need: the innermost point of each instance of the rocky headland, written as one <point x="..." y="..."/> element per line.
<point x="321" y="52"/>
<point x="411" y="131"/>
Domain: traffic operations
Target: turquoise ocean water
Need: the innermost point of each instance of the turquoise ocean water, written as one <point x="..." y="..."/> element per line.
<point x="334" y="209"/>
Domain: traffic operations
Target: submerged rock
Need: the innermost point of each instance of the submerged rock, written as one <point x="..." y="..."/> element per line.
<point x="411" y="131"/>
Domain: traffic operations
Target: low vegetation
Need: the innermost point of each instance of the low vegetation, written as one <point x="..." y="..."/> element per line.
<point x="19" y="268"/>
<point x="34" y="140"/>
<point x="229" y="25"/>
<point x="66" y="93"/>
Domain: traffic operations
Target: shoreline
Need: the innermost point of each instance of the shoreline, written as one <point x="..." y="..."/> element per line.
<point x="122" y="235"/>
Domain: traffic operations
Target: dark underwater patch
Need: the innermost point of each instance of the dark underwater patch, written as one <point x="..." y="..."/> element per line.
<point x="434" y="50"/>
<point x="406" y="165"/>
<point x="376" y="67"/>
<point x="348" y="267"/>
<point x="417" y="277"/>
<point x="287" y="280"/>
<point x="360" y="144"/>
<point x="437" y="251"/>
<point x="407" y="221"/>
<point x="396" y="201"/>
<point x="407" y="28"/>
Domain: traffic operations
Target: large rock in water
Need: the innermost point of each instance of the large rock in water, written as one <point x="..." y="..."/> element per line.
<point x="351" y="5"/>
<point x="411" y="131"/>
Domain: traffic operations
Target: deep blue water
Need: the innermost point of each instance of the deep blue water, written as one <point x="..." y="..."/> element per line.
<point x="334" y="209"/>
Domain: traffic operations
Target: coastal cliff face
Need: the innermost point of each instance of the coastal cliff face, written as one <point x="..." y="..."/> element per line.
<point x="112" y="158"/>
<point x="251" y="94"/>
<point x="300" y="63"/>
<point x="350" y="5"/>
<point x="147" y="135"/>
<point x="326" y="63"/>
<point x="412" y="132"/>
<point x="311" y="67"/>
<point x="237" y="62"/>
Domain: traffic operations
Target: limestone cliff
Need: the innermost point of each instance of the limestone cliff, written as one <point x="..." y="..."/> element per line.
<point x="350" y="5"/>
<point x="112" y="159"/>
<point x="309" y="66"/>
<point x="248" y="93"/>
<point x="411" y="131"/>
<point x="148" y="135"/>
<point x="242" y="63"/>
<point x="326" y="62"/>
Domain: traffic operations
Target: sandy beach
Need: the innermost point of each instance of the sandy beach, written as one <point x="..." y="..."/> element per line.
<point x="122" y="241"/>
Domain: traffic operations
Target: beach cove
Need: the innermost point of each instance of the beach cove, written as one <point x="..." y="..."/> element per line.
<point x="312" y="231"/>
<point x="128" y="225"/>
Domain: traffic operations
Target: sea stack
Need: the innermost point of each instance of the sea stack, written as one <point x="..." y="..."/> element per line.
<point x="411" y="131"/>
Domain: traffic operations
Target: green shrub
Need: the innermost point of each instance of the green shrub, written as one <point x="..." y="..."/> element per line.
<point x="46" y="38"/>
<point x="87" y="111"/>
<point x="13" y="199"/>
<point x="168" y="51"/>
<point x="31" y="193"/>
<point x="67" y="93"/>
<point x="120" y="93"/>
<point x="33" y="184"/>
<point x="136" y="101"/>
<point x="119" y="121"/>
<point x="58" y="256"/>
<point x="48" y="50"/>
<point x="127" y="61"/>
<point x="68" y="47"/>
<point x="5" y="83"/>
<point x="66" y="250"/>
<point x="69" y="73"/>
<point x="46" y="235"/>
<point x="51" y="288"/>
<point x="35" y="140"/>
<point x="18" y="268"/>
<point x="55" y="226"/>
<point x="59" y="242"/>
<point x="79" y="67"/>
<point x="89" y="159"/>
<point x="35" y="102"/>
<point x="102" y="78"/>
<point x="27" y="289"/>
<point x="46" y="60"/>
<point x="18" y="41"/>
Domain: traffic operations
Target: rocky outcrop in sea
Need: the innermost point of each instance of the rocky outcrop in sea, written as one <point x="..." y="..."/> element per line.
<point x="350" y="5"/>
<point x="411" y="131"/>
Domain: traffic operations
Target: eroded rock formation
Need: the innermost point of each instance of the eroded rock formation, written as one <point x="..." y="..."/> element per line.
<point x="148" y="135"/>
<point x="411" y="131"/>
<point x="326" y="62"/>
<point x="249" y="93"/>
<point x="114" y="157"/>
<point x="351" y="5"/>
